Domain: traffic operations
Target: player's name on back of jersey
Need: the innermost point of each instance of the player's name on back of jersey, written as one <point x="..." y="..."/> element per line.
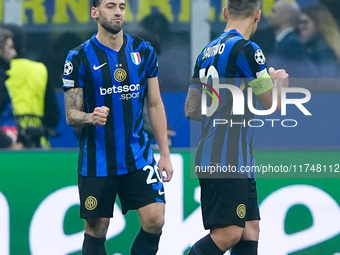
<point x="214" y="50"/>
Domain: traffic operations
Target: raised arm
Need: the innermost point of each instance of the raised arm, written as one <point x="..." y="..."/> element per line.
<point x="75" y="117"/>
<point x="280" y="79"/>
<point x="158" y="124"/>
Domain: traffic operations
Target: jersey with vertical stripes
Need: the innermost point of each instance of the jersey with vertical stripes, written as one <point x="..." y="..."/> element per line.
<point x="117" y="80"/>
<point x="236" y="61"/>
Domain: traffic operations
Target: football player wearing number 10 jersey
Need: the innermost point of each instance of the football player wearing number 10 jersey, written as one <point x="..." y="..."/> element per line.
<point x="106" y="80"/>
<point x="229" y="201"/>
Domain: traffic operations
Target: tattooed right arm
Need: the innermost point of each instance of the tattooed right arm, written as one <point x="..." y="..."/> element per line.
<point x="75" y="117"/>
<point x="193" y="104"/>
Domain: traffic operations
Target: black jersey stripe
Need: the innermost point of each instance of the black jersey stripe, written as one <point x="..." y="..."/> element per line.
<point x="143" y="81"/>
<point x="153" y="65"/>
<point x="245" y="130"/>
<point x="147" y="56"/>
<point x="234" y="131"/>
<point x="146" y="151"/>
<point x="141" y="69"/>
<point x="135" y="43"/>
<point x="249" y="53"/>
<point x="127" y="112"/>
<point x="110" y="144"/>
<point x="138" y="122"/>
<point x="225" y="113"/>
<point x="90" y="104"/>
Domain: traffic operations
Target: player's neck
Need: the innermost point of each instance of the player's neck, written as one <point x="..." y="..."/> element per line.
<point x="243" y="26"/>
<point x="113" y="41"/>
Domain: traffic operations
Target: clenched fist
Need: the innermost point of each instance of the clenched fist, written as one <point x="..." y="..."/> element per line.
<point x="99" y="115"/>
<point x="280" y="77"/>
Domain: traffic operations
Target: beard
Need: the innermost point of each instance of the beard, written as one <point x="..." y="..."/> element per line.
<point x="110" y="27"/>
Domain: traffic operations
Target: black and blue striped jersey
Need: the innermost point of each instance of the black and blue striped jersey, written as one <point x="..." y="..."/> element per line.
<point x="117" y="80"/>
<point x="229" y="59"/>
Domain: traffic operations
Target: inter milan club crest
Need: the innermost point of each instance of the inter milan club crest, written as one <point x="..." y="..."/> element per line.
<point x="120" y="75"/>
<point x="136" y="59"/>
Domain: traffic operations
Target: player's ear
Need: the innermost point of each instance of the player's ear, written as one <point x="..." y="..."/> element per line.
<point x="94" y="13"/>
<point x="258" y="15"/>
<point x="225" y="13"/>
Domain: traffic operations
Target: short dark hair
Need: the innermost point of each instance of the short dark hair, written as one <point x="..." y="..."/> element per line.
<point x="95" y="3"/>
<point x="242" y="8"/>
<point x="4" y="36"/>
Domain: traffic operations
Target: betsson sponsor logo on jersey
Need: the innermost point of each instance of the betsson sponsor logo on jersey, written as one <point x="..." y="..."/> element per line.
<point x="127" y="91"/>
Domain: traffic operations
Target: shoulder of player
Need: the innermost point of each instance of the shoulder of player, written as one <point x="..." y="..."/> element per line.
<point x="252" y="45"/>
<point x="137" y="42"/>
<point x="251" y="48"/>
<point x="77" y="54"/>
<point x="76" y="51"/>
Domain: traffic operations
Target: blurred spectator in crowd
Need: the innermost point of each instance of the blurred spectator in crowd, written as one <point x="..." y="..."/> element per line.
<point x="8" y="129"/>
<point x="320" y="34"/>
<point x="174" y="52"/>
<point x="265" y="36"/>
<point x="34" y="102"/>
<point x="333" y="7"/>
<point x="284" y="19"/>
<point x="288" y="52"/>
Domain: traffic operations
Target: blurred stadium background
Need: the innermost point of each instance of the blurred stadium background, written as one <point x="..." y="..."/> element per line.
<point x="38" y="194"/>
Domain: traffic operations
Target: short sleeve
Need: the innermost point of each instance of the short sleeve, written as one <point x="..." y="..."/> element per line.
<point x="251" y="60"/>
<point x="151" y="62"/>
<point x="252" y="65"/>
<point x="73" y="76"/>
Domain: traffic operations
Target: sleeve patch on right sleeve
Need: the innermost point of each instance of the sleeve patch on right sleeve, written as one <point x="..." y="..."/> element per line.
<point x="68" y="83"/>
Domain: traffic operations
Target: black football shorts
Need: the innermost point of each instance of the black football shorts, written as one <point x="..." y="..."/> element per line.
<point x="135" y="190"/>
<point x="228" y="201"/>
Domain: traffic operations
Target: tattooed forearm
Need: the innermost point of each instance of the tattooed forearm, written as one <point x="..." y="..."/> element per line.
<point x="73" y="106"/>
<point x="193" y="104"/>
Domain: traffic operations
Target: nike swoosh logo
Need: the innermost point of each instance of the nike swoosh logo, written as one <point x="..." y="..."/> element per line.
<point x="98" y="67"/>
<point x="161" y="193"/>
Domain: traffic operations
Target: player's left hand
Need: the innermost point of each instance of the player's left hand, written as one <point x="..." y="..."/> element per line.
<point x="165" y="168"/>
